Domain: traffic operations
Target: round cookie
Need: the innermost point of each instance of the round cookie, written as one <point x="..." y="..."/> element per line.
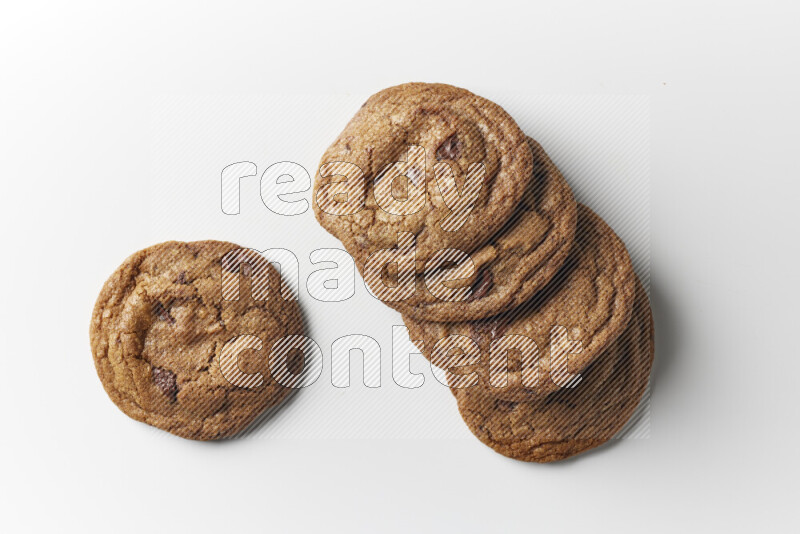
<point x="516" y="262"/>
<point x="453" y="126"/>
<point x="159" y="327"/>
<point x="590" y="299"/>
<point x="571" y="421"/>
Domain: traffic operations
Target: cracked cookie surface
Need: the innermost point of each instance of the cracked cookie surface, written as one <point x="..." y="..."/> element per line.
<point x="570" y="421"/>
<point x="160" y="323"/>
<point x="590" y="298"/>
<point x="518" y="261"/>
<point x="453" y="126"/>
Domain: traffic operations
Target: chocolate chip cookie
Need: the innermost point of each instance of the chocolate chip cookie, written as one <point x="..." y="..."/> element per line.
<point x="515" y="263"/>
<point x="165" y="318"/>
<point x="573" y="420"/>
<point x="431" y="162"/>
<point x="584" y="308"/>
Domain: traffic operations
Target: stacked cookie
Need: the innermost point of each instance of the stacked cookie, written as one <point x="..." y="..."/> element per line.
<point x="527" y="300"/>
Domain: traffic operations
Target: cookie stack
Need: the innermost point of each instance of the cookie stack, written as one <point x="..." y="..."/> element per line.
<point x="526" y="299"/>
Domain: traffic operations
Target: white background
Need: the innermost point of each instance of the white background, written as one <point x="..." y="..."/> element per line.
<point x="78" y="87"/>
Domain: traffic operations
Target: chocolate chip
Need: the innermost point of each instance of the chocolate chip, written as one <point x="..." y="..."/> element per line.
<point x="483" y="284"/>
<point x="295" y="362"/>
<point x="232" y="264"/>
<point x="166" y="381"/>
<point x="450" y="149"/>
<point x="162" y="313"/>
<point x="181" y="278"/>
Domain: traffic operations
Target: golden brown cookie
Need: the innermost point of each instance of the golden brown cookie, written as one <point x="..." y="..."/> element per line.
<point x="365" y="200"/>
<point x="159" y="327"/>
<point x="518" y="261"/>
<point x="588" y="301"/>
<point x="571" y="421"/>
